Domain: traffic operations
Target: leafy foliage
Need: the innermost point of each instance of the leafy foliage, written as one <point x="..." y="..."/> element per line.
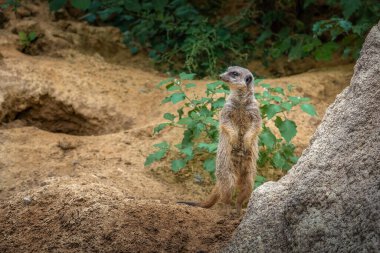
<point x="79" y="4"/>
<point x="10" y="3"/>
<point x="274" y="104"/>
<point x="197" y="116"/>
<point x="204" y="38"/>
<point x="341" y="30"/>
<point x="170" y="31"/>
<point x="26" y="39"/>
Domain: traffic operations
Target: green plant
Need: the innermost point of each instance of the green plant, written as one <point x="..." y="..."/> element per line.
<point x="15" y="4"/>
<point x="275" y="103"/>
<point x="26" y="39"/>
<point x="297" y="28"/>
<point x="206" y="37"/>
<point x="79" y="4"/>
<point x="197" y="116"/>
<point x="173" y="33"/>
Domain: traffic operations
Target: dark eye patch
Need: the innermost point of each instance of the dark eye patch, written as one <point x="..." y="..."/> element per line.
<point x="248" y="80"/>
<point x="234" y="74"/>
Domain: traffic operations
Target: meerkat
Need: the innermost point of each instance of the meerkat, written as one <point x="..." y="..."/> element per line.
<point x="240" y="125"/>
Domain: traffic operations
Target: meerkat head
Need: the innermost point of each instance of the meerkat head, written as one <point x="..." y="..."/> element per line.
<point x="237" y="77"/>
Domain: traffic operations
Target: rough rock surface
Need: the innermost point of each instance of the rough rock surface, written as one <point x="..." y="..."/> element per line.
<point x="330" y="201"/>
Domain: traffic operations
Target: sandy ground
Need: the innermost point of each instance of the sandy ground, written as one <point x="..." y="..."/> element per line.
<point x="77" y="122"/>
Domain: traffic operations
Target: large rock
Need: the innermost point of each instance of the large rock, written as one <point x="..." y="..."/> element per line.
<point x="330" y="201"/>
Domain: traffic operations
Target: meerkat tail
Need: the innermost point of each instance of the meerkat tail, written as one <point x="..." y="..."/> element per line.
<point x="207" y="203"/>
<point x="189" y="203"/>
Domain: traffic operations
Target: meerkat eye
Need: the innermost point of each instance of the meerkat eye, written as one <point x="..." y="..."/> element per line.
<point x="234" y="74"/>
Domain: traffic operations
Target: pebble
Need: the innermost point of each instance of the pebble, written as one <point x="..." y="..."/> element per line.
<point x="27" y="200"/>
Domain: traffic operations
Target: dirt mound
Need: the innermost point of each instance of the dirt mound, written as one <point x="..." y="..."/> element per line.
<point x="71" y="217"/>
<point x="46" y="93"/>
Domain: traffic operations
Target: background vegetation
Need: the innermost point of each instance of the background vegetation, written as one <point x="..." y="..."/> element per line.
<point x="204" y="37"/>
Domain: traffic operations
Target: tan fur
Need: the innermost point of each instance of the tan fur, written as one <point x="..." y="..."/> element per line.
<point x="240" y="125"/>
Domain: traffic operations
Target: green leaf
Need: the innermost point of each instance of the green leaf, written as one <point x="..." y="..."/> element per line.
<point x="219" y="103"/>
<point x="173" y="88"/>
<point x="259" y="180"/>
<point x="178" y="164"/>
<point x="166" y="100"/>
<point x="188" y="151"/>
<point x="32" y="36"/>
<point x="287" y="106"/>
<point x="278" y="160"/>
<point x="267" y="138"/>
<point x="209" y="165"/>
<point x="224" y="91"/>
<point x="258" y="81"/>
<point x="265" y="85"/>
<point x="162" y="145"/>
<point x="22" y="36"/>
<point x="184" y="76"/>
<point x="345" y="24"/>
<point x="132" y="5"/>
<point x="210" y="147"/>
<point x="190" y="85"/>
<point x="211" y="121"/>
<point x="273" y="110"/>
<point x="293" y="159"/>
<point x="296" y="52"/>
<point x="134" y="50"/>
<point x="180" y="112"/>
<point x="159" y="5"/>
<point x="311" y="45"/>
<point x="81" y="4"/>
<point x="55" y="5"/>
<point x="309" y="109"/>
<point x="169" y="116"/>
<point x="160" y="127"/>
<point x="166" y="81"/>
<point x="349" y="7"/>
<point x="158" y="155"/>
<point x="177" y="97"/>
<point x="279" y="90"/>
<point x="185" y="121"/>
<point x="288" y="128"/>
<point x="213" y="86"/>
<point x="294" y="100"/>
<point x="277" y="99"/>
<point x="325" y="52"/>
<point x="264" y="36"/>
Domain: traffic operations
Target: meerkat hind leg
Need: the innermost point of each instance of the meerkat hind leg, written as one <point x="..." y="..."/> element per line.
<point x="227" y="201"/>
<point x="226" y="191"/>
<point x="244" y="189"/>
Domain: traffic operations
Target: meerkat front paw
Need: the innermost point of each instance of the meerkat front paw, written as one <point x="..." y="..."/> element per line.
<point x="231" y="133"/>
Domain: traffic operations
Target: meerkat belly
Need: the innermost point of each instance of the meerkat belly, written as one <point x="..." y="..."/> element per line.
<point x="243" y="122"/>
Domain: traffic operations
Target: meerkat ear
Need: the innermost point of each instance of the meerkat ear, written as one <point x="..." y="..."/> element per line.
<point x="248" y="80"/>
